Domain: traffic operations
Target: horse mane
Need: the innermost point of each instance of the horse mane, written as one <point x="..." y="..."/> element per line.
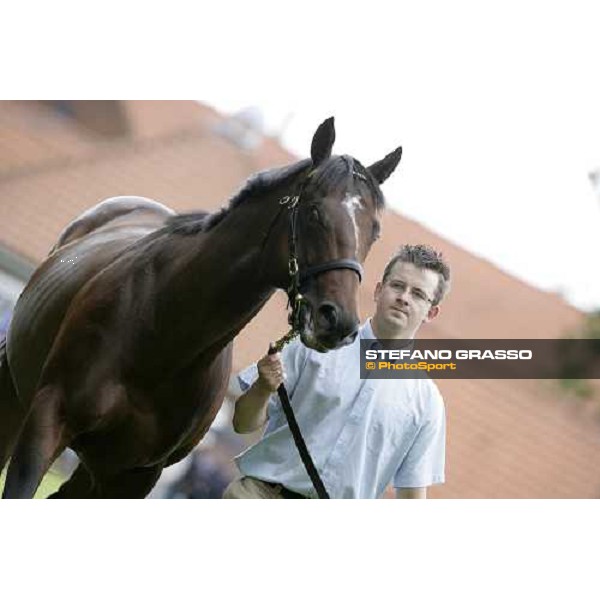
<point x="333" y="174"/>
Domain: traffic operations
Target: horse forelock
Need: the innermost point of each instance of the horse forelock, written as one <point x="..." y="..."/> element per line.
<point x="338" y="171"/>
<point x="362" y="173"/>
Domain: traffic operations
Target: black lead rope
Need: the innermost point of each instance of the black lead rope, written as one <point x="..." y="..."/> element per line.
<point x="307" y="460"/>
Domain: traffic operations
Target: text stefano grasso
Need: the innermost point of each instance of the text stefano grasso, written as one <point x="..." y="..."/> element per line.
<point x="498" y="354"/>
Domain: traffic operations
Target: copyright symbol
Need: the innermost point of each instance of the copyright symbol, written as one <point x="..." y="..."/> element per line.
<point x="370" y="366"/>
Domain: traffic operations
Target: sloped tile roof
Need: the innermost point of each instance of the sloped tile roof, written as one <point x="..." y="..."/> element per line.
<point x="33" y="136"/>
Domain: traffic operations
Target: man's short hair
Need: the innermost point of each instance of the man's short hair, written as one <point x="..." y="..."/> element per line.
<point x="423" y="257"/>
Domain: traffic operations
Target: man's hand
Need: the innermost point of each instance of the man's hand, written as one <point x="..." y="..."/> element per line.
<point x="251" y="407"/>
<point x="270" y="372"/>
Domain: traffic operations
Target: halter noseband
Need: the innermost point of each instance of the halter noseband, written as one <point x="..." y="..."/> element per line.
<point x="298" y="280"/>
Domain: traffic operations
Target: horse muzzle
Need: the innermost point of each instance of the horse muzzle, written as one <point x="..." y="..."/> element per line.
<point x="328" y="327"/>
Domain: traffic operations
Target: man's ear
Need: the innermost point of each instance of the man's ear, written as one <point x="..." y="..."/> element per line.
<point x="433" y="312"/>
<point x="377" y="292"/>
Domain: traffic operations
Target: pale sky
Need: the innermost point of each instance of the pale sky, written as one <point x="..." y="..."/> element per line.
<point x="498" y="113"/>
<point x="497" y="105"/>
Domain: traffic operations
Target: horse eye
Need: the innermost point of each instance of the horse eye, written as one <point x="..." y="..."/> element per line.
<point x="315" y="215"/>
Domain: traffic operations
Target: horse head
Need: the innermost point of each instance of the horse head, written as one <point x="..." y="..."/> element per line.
<point x="334" y="220"/>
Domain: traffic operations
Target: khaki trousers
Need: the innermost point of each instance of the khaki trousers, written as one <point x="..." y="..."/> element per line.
<point x="248" y="488"/>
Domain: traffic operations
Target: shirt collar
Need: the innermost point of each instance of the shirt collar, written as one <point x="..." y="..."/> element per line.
<point x="366" y="331"/>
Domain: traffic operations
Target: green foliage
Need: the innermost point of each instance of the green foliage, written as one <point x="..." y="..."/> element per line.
<point x="49" y="485"/>
<point x="590" y="330"/>
<point x="579" y="387"/>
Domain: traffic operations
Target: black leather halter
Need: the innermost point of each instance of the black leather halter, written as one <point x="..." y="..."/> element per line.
<point x="299" y="279"/>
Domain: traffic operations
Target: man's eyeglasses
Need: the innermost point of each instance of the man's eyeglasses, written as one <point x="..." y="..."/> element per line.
<point x="417" y="294"/>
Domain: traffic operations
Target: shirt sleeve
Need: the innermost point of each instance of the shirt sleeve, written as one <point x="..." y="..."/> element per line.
<point x="294" y="357"/>
<point x="424" y="463"/>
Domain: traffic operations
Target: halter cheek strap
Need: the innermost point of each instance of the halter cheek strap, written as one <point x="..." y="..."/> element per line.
<point x="295" y="300"/>
<point x="299" y="279"/>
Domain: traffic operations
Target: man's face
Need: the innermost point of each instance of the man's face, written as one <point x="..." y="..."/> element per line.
<point x="404" y="301"/>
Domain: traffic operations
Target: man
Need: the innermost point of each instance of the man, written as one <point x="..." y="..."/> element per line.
<point x="363" y="434"/>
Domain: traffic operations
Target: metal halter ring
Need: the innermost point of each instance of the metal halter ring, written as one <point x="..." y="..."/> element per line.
<point x="291" y="201"/>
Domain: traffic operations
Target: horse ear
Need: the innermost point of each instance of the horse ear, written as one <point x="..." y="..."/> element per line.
<point x="322" y="142"/>
<point x="382" y="169"/>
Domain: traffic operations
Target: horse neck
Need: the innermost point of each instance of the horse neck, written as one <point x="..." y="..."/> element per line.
<point x="228" y="273"/>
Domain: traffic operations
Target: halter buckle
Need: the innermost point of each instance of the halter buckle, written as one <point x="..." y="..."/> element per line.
<point x="291" y="201"/>
<point x="293" y="267"/>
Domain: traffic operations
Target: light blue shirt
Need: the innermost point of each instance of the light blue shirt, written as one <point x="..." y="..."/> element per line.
<point x="362" y="433"/>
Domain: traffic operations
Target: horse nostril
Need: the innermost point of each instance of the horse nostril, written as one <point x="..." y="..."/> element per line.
<point x="328" y="315"/>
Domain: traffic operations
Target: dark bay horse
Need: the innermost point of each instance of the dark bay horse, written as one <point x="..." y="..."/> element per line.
<point x="120" y="345"/>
